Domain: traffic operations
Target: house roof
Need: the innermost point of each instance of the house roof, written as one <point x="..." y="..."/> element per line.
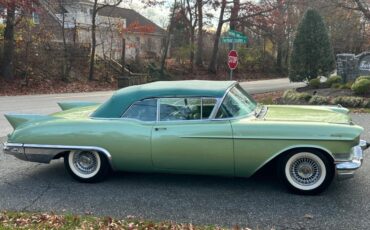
<point x="130" y="15"/>
<point x="122" y="99"/>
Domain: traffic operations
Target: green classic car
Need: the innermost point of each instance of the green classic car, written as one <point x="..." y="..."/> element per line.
<point x="197" y="127"/>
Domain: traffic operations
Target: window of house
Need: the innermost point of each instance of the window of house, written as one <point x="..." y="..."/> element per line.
<point x="150" y="44"/>
<point x="35" y="18"/>
<point x="145" y="110"/>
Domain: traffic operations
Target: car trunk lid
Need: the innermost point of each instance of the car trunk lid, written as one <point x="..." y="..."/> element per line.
<point x="76" y="113"/>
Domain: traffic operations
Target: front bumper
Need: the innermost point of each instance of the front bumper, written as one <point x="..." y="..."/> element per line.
<point x="347" y="169"/>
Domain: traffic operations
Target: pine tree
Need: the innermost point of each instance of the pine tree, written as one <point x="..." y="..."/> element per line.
<point x="312" y="53"/>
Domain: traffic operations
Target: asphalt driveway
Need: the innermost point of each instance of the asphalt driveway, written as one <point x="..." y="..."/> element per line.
<point x="260" y="202"/>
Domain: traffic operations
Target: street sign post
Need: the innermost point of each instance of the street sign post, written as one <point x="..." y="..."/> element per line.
<point x="233" y="38"/>
<point x="232" y="61"/>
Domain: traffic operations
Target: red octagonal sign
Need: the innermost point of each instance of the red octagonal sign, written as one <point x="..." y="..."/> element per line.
<point x="233" y="59"/>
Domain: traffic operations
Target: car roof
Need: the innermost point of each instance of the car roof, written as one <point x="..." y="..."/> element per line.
<point x="123" y="98"/>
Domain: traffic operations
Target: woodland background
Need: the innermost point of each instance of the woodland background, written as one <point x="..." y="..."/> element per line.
<point x="30" y="63"/>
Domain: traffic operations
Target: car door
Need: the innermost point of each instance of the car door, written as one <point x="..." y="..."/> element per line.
<point x="186" y="140"/>
<point x="132" y="136"/>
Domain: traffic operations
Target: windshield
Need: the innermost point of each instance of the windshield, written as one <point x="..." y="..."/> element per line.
<point x="236" y="103"/>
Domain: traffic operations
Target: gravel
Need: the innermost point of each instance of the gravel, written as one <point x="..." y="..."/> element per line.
<point x="260" y="202"/>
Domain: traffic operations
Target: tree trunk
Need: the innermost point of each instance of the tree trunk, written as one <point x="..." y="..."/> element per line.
<point x="168" y="40"/>
<point x="279" y="57"/>
<point x="65" y="64"/>
<point x="192" y="41"/>
<point x="123" y="56"/>
<point x="212" y="68"/>
<point x="192" y="36"/>
<point x="93" y="41"/>
<point x="199" y="53"/>
<point x="234" y="14"/>
<point x="9" y="44"/>
<point x="281" y="36"/>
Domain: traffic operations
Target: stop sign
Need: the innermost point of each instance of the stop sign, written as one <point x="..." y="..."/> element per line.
<point x="233" y="59"/>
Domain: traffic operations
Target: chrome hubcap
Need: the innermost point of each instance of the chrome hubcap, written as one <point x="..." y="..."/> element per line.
<point x="85" y="162"/>
<point x="305" y="171"/>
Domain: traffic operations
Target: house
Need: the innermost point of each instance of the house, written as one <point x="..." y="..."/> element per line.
<point x="142" y="37"/>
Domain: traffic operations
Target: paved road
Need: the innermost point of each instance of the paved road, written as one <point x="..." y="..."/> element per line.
<point x="260" y="202"/>
<point x="270" y="85"/>
<point x="46" y="104"/>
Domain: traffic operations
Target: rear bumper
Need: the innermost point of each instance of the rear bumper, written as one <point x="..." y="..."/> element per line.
<point x="347" y="169"/>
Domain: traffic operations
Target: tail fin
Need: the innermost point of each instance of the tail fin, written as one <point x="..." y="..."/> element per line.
<point x="17" y="119"/>
<point x="75" y="104"/>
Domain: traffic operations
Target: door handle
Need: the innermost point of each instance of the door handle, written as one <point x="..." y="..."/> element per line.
<point x="158" y="129"/>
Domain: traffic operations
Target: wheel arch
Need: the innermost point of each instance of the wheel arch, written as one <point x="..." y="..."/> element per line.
<point x="287" y="150"/>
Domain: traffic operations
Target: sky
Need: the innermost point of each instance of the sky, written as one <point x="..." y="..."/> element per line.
<point x="158" y="14"/>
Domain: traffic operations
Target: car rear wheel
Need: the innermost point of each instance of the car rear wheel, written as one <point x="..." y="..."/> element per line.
<point x="86" y="166"/>
<point x="306" y="172"/>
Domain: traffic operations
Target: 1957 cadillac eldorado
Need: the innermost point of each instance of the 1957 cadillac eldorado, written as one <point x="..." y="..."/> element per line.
<point x="197" y="127"/>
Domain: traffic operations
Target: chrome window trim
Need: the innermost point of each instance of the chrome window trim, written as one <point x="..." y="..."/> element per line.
<point x="220" y="103"/>
<point x="146" y="99"/>
<point x="217" y="107"/>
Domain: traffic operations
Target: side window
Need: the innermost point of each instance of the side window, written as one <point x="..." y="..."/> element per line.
<point x="180" y="109"/>
<point x="145" y="110"/>
<point x="207" y="107"/>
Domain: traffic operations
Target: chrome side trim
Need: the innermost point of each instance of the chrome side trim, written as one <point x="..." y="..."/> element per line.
<point x="45" y="153"/>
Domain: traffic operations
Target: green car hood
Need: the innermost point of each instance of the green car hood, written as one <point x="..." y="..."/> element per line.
<point x="307" y="114"/>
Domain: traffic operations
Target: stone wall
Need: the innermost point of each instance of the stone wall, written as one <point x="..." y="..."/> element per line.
<point x="351" y="66"/>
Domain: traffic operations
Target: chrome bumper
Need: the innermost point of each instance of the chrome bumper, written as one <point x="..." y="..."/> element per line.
<point x="46" y="153"/>
<point x="30" y="154"/>
<point x="347" y="169"/>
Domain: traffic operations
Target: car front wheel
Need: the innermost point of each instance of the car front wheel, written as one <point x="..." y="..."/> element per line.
<point x="86" y="166"/>
<point x="306" y="172"/>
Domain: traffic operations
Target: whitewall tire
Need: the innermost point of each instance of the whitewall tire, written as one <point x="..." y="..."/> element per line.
<point x="306" y="171"/>
<point x="86" y="166"/>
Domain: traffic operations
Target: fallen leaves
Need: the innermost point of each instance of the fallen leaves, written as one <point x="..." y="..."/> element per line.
<point x="24" y="220"/>
<point x="50" y="86"/>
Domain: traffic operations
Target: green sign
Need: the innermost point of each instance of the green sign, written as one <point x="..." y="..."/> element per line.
<point x="236" y="34"/>
<point x="234" y="40"/>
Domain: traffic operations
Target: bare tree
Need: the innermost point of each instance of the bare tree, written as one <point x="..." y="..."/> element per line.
<point x="96" y="8"/>
<point x="199" y="53"/>
<point x="168" y="39"/>
<point x="9" y="43"/>
<point x="66" y="66"/>
<point x="249" y="10"/>
<point x="15" y="12"/>
<point x="358" y="5"/>
<point x="212" y="68"/>
<point x="192" y="23"/>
